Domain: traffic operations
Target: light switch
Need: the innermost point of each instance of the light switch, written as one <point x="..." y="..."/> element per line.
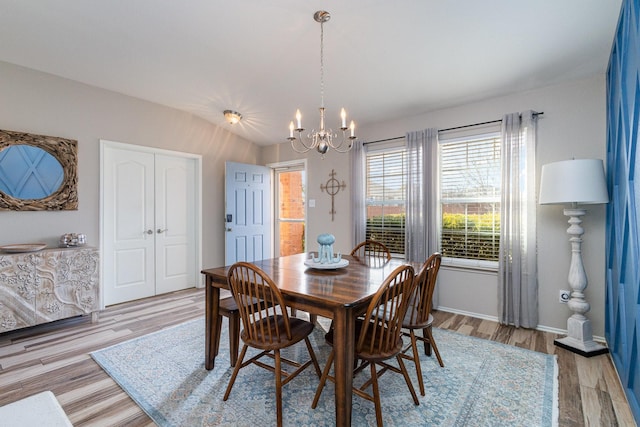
<point x="312" y="203"/>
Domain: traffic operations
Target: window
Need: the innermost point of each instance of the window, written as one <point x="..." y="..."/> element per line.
<point x="290" y="213"/>
<point x="386" y="173"/>
<point x="470" y="197"/>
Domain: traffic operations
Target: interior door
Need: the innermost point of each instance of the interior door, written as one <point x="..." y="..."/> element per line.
<point x="174" y="223"/>
<point x="128" y="225"/>
<point x="150" y="222"/>
<point x="247" y="212"/>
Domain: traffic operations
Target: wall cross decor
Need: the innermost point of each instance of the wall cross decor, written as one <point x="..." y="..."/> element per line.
<point x="332" y="187"/>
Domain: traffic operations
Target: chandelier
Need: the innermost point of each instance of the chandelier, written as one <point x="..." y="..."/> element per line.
<point x="321" y="139"/>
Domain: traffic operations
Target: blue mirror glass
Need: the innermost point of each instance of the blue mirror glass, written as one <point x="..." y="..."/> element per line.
<point x="28" y="172"/>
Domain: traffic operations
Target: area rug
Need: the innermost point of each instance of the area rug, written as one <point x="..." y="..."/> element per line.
<point x="483" y="383"/>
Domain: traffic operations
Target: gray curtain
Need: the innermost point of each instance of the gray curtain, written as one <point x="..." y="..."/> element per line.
<point x="517" y="265"/>
<point x="422" y="190"/>
<point x="358" y="192"/>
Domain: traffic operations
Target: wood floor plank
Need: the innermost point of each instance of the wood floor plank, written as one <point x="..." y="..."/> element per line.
<point x="56" y="357"/>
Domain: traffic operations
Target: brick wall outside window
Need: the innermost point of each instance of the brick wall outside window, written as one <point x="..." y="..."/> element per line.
<point x="291" y="207"/>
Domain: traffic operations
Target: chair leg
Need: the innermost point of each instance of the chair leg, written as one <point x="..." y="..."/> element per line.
<point x="234" y="338"/>
<point x="433" y="344"/>
<point x="416" y="360"/>
<point x="427" y="343"/>
<point x="219" y="331"/>
<point x="312" y="354"/>
<point x="313" y="318"/>
<point x="278" y="372"/>
<point x="232" y="380"/>
<point x="405" y="374"/>
<point x="323" y="380"/>
<point x="376" y="394"/>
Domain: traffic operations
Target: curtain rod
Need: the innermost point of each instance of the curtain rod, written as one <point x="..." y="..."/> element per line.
<point x="448" y="129"/>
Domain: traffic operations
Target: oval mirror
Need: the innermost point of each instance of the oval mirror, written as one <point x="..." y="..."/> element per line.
<point x="28" y="172"/>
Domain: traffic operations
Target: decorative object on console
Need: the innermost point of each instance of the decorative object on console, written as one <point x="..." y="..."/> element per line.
<point x="326" y="259"/>
<point x="37" y="172"/>
<point x="72" y="240"/>
<point x="321" y="139"/>
<point x="332" y="187"/>
<point x="232" y="117"/>
<point x="576" y="182"/>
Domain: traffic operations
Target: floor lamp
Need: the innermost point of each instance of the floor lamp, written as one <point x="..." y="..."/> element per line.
<point x="576" y="182"/>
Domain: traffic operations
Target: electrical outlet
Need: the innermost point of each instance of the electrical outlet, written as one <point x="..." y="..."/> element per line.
<point x="564" y="296"/>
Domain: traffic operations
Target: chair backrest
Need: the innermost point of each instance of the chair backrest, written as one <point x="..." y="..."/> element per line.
<point x="422" y="298"/>
<point x="383" y="321"/>
<point x="372" y="253"/>
<point x="248" y="283"/>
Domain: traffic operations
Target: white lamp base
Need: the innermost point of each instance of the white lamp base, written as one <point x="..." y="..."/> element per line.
<point x="580" y="339"/>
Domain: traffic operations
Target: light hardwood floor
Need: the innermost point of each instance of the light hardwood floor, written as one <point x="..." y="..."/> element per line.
<point x="56" y="357"/>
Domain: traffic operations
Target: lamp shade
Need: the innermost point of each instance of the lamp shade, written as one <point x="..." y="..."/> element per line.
<point x="580" y="181"/>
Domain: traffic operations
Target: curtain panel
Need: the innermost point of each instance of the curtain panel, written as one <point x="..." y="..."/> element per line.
<point x="422" y="193"/>
<point x="358" y="192"/>
<point x="421" y="235"/>
<point x="517" y="265"/>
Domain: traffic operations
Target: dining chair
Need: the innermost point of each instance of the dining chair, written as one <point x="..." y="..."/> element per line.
<point x="372" y="253"/>
<point x="379" y="337"/>
<point x="419" y="315"/>
<point x="269" y="329"/>
<point x="229" y="309"/>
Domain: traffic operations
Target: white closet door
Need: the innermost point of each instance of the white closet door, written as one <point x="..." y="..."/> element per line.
<point x="128" y="225"/>
<point x="150" y="220"/>
<point x="175" y="223"/>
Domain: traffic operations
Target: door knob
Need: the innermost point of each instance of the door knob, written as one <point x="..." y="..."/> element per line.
<point x="148" y="231"/>
<point x="160" y="230"/>
<point x="228" y="229"/>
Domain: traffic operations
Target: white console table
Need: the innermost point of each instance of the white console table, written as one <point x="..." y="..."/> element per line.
<point x="51" y="284"/>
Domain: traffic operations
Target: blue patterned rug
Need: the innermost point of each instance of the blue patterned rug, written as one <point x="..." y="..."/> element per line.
<point x="483" y="384"/>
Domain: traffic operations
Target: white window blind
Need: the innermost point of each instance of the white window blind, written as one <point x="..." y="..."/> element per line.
<point x="470" y="197"/>
<point x="386" y="175"/>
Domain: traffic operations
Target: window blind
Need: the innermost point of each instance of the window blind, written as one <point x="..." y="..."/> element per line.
<point x="386" y="180"/>
<point x="470" y="197"/>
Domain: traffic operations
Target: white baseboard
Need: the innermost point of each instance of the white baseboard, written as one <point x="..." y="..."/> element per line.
<point x="495" y="319"/>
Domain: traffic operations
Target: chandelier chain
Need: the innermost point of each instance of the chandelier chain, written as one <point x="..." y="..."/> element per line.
<point x="322" y="64"/>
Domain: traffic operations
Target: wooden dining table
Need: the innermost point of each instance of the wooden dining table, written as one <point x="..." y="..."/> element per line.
<point x="340" y="294"/>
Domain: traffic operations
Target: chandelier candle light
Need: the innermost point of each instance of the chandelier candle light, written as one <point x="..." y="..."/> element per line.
<point x="321" y="139"/>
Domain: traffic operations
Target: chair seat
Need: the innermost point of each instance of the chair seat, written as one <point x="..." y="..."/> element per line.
<point x="365" y="355"/>
<point x="408" y="323"/>
<point x="299" y="330"/>
<point x="228" y="305"/>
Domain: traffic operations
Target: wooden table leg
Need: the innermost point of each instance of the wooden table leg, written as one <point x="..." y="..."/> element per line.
<point x="211" y="336"/>
<point x="343" y="346"/>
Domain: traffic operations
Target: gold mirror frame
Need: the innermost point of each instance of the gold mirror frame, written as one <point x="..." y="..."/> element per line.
<point x="64" y="151"/>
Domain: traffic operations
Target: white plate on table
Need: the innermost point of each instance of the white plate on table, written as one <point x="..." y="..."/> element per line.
<point x="326" y="266"/>
<point x="23" y="247"/>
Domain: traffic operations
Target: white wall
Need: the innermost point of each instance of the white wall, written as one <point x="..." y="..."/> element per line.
<point x="40" y="103"/>
<point x="573" y="125"/>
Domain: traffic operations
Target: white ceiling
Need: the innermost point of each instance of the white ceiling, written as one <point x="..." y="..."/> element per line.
<point x="382" y="59"/>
